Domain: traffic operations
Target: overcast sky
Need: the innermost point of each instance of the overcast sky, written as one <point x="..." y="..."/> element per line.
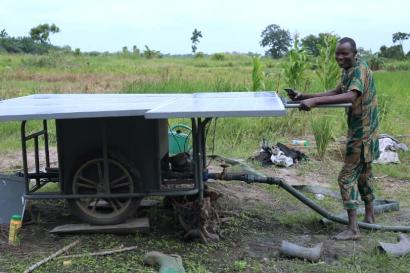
<point x="226" y="25"/>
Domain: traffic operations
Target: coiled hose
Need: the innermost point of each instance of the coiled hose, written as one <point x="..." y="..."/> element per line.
<point x="255" y="177"/>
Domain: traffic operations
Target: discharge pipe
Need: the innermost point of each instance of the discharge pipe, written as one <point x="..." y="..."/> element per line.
<point x="255" y="178"/>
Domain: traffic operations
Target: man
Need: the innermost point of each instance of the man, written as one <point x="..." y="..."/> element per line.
<point x="356" y="87"/>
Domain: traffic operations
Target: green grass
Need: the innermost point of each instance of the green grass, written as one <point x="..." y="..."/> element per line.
<point x="25" y="74"/>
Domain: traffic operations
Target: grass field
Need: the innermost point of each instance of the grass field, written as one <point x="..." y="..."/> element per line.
<point x="54" y="73"/>
<point x="24" y="74"/>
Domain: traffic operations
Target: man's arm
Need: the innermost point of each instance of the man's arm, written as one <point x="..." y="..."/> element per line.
<point x="348" y="97"/>
<point x="300" y="96"/>
<point x="323" y="94"/>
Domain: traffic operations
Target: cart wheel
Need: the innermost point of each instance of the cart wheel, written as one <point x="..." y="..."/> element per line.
<point x="89" y="179"/>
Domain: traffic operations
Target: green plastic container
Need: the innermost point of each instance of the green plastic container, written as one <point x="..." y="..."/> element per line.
<point x="179" y="137"/>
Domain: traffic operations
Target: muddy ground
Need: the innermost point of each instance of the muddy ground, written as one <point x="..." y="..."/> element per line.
<point x="255" y="219"/>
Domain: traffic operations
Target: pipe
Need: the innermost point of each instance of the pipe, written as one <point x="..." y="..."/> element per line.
<point x="380" y="206"/>
<point x="251" y="178"/>
<point x="400" y="249"/>
<point x="167" y="263"/>
<point x="308" y="253"/>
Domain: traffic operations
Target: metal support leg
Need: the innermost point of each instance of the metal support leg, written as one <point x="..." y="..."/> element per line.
<point x="200" y="159"/>
<point x="203" y="141"/>
<point x="104" y="142"/>
<point x="46" y="149"/>
<point x="197" y="156"/>
<point x="24" y="154"/>
<point x="37" y="159"/>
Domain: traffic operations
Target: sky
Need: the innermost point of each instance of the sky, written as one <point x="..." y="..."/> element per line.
<point x="226" y="25"/>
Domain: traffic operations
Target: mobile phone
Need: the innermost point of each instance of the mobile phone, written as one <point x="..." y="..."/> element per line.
<point x="291" y="93"/>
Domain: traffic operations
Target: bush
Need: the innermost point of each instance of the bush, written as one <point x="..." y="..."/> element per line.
<point x="24" y="45"/>
<point x="375" y="63"/>
<point x="199" y="55"/>
<point x="77" y="52"/>
<point x="219" y="57"/>
<point x="150" y="53"/>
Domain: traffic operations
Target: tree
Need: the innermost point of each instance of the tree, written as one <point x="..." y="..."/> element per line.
<point x="135" y="50"/>
<point x="313" y="43"/>
<point x="196" y="34"/>
<point x="41" y="33"/>
<point x="392" y="52"/>
<point x="3" y="33"/>
<point x="278" y="40"/>
<point x="400" y="37"/>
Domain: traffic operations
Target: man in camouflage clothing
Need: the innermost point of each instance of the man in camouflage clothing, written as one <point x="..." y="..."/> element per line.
<point x="356" y="87"/>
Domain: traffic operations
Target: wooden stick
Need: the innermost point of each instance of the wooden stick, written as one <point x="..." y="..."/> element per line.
<point x="102" y="253"/>
<point x="55" y="254"/>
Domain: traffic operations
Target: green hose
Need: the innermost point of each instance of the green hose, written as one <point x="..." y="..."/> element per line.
<point x="255" y="177"/>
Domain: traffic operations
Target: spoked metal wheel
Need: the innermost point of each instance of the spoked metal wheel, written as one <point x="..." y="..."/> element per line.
<point x="92" y="177"/>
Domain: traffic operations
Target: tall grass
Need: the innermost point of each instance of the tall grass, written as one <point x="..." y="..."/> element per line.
<point x="328" y="70"/>
<point x="295" y="67"/>
<point x="258" y="76"/>
<point x="322" y="131"/>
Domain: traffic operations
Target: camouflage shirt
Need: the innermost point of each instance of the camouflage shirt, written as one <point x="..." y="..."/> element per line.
<point x="362" y="117"/>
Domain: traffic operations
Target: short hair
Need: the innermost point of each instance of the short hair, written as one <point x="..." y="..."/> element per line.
<point x="350" y="41"/>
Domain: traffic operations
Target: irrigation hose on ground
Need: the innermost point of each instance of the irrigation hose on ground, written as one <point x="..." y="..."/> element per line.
<point x="254" y="177"/>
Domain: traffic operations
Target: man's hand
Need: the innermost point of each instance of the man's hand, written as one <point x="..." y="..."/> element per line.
<point x="294" y="95"/>
<point x="308" y="104"/>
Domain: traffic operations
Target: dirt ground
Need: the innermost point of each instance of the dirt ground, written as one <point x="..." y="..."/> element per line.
<point x="255" y="220"/>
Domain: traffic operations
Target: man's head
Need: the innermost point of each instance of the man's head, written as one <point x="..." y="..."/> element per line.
<point x="346" y="52"/>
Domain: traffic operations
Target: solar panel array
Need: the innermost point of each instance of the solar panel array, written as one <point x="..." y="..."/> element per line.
<point x="153" y="106"/>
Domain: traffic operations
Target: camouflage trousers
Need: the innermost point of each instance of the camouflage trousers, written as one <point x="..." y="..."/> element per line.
<point x="356" y="177"/>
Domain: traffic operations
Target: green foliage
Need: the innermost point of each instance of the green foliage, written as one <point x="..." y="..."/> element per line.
<point x="322" y="130"/>
<point x="24" y="45"/>
<point x="77" y="52"/>
<point x="276" y="39"/>
<point x="328" y="70"/>
<point x="375" y="62"/>
<point x="196" y="34"/>
<point x="384" y="102"/>
<point x="3" y="33"/>
<point x="258" y="76"/>
<point x="150" y="54"/>
<point x="295" y="67"/>
<point x="219" y="57"/>
<point x="398" y="66"/>
<point x="41" y="33"/>
<point x="199" y="55"/>
<point x="135" y="50"/>
<point x="312" y="44"/>
<point x="400" y="37"/>
<point x="240" y="266"/>
<point x="51" y="60"/>
<point x="392" y="52"/>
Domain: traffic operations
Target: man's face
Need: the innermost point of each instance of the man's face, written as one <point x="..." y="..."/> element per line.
<point x="345" y="57"/>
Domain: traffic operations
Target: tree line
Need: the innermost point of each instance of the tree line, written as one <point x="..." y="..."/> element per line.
<point x="278" y="41"/>
<point x="275" y="39"/>
<point x="38" y="41"/>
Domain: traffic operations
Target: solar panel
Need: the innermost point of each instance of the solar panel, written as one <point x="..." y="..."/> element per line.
<point x="228" y="104"/>
<point x="64" y="106"/>
<point x="153" y="106"/>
